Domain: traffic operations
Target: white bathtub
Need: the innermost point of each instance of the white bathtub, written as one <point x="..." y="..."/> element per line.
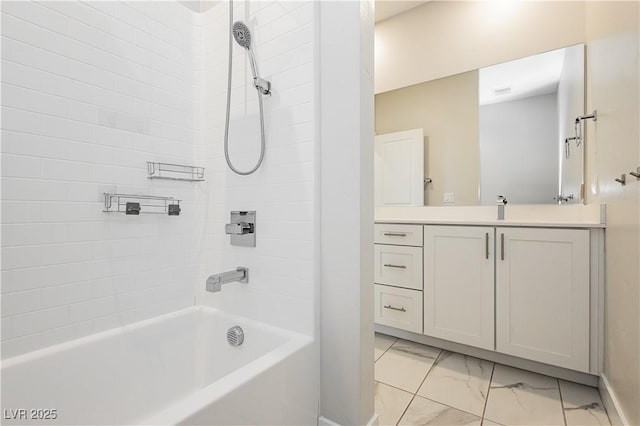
<point x="174" y="369"/>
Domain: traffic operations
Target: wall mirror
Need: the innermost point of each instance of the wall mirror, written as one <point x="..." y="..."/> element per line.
<point x="508" y="129"/>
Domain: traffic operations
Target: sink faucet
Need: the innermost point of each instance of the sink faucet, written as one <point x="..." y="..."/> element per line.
<point x="562" y="199"/>
<point x="501" y="201"/>
<point x="214" y="282"/>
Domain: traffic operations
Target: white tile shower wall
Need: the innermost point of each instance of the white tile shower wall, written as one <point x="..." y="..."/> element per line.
<point x="281" y="286"/>
<point x="90" y="92"/>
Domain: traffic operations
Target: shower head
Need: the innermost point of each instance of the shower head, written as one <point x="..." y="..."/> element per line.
<point x="241" y="34"/>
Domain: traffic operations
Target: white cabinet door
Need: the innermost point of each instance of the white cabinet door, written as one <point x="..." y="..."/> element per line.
<point x="399" y="169"/>
<point x="459" y="284"/>
<point x="542" y="295"/>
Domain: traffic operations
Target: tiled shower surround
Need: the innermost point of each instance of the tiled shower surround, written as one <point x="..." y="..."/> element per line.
<point x="281" y="265"/>
<point x="91" y="91"/>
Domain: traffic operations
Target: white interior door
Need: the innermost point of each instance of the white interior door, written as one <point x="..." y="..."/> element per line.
<point x="399" y="169"/>
<point x="459" y="284"/>
<point x="542" y="295"/>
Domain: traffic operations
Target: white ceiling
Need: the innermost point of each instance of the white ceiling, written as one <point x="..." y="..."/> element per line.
<point x="388" y="8"/>
<point x="531" y="76"/>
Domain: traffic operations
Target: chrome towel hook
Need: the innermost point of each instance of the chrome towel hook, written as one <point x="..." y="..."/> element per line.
<point x="636" y="174"/>
<point x="593" y="116"/>
<point x="622" y="180"/>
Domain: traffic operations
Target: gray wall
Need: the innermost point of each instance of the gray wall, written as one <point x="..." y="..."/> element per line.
<point x="519" y="151"/>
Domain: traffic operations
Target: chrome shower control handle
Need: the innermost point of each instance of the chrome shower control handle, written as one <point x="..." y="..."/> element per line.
<point x="240" y="228"/>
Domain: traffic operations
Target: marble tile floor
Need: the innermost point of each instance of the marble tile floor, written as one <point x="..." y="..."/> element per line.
<point x="422" y="385"/>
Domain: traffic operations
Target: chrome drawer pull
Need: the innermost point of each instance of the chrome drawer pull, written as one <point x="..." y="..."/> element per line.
<point x="389" y="265"/>
<point x="393" y="308"/>
<point x="395" y="234"/>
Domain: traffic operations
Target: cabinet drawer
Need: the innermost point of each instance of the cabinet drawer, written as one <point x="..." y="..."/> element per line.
<point x="398" y="307"/>
<point x="398" y="266"/>
<point x="403" y="235"/>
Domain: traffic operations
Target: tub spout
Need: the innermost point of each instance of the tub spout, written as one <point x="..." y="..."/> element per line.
<point x="214" y="282"/>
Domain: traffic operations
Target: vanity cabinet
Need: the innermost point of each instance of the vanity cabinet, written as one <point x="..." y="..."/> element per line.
<point x="459" y="284"/>
<point x="524" y="291"/>
<point x="542" y="295"/>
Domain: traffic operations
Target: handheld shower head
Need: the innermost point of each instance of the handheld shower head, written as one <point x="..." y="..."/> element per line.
<point x="243" y="37"/>
<point x="242" y="34"/>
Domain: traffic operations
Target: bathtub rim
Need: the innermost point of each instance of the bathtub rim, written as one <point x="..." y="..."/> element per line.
<point x="19" y="359"/>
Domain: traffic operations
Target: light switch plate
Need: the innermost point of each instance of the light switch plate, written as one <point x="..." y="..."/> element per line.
<point x="449" y="197"/>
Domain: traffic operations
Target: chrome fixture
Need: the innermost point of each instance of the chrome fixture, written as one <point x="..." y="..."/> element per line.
<point x="636" y="174"/>
<point x="395" y="234"/>
<point x="135" y="204"/>
<point x="242" y="228"/>
<point x="577" y="128"/>
<point x="393" y="308"/>
<point x="391" y="265"/>
<point x="242" y="35"/>
<point x="562" y="199"/>
<point x="427" y="181"/>
<point x="567" y="153"/>
<point x="486" y="245"/>
<point x="214" y="282"/>
<point x="622" y="180"/>
<point x="170" y="171"/>
<point x="501" y="201"/>
<point x="593" y="116"/>
<point x="235" y="336"/>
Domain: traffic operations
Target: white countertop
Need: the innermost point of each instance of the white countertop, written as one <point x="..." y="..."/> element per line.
<point x="543" y="216"/>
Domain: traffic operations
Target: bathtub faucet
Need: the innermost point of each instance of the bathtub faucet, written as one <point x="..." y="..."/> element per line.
<point x="214" y="282"/>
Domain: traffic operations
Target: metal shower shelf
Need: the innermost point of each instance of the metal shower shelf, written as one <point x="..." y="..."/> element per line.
<point x="175" y="172"/>
<point x="136" y="204"/>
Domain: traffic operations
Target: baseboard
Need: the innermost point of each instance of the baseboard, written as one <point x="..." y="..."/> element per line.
<point x="323" y="421"/>
<point x="610" y="401"/>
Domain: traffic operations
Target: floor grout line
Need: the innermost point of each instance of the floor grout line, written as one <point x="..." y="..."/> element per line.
<point x="419" y="386"/>
<point x="395" y="387"/>
<point x="441" y="352"/>
<point x="486" y="400"/>
<point x="564" y="415"/>
<point x="386" y="350"/>
<point x="447" y="405"/>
